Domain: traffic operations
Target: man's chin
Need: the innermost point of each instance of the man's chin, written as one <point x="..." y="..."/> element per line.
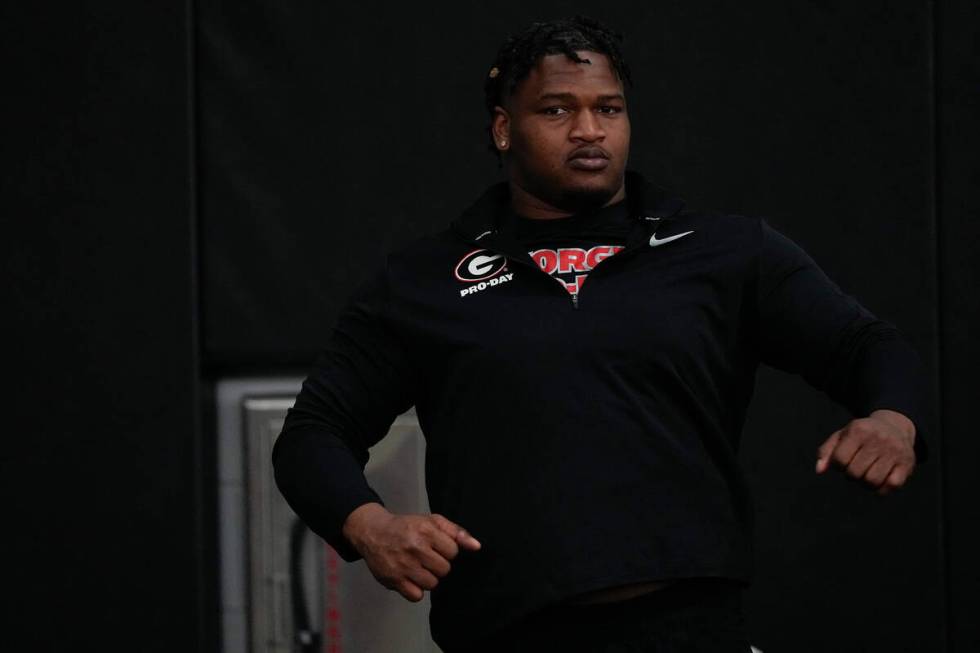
<point x="584" y="198"/>
<point x="574" y="193"/>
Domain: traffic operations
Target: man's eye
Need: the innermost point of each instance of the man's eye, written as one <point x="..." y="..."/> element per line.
<point x="555" y="111"/>
<point x="610" y="110"/>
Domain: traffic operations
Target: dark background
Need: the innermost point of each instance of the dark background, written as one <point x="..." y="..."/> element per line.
<point x="189" y="191"/>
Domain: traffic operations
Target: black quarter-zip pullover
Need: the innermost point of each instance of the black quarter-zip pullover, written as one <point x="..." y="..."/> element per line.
<point x="586" y="443"/>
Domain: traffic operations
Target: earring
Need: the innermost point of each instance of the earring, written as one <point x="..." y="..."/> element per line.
<point x="503" y="143"/>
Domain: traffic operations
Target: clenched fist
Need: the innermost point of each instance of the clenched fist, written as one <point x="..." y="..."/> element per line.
<point x="877" y="448"/>
<point x="406" y="553"/>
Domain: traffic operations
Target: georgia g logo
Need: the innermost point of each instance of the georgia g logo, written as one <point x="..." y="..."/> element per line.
<point x="478" y="265"/>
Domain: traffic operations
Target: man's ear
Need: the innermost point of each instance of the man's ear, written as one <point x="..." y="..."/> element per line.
<point x="501" y="128"/>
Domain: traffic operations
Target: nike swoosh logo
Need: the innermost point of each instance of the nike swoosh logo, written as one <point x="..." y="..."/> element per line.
<point x="655" y="242"/>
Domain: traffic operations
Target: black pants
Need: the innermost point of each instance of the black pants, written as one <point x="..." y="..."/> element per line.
<point x="690" y="616"/>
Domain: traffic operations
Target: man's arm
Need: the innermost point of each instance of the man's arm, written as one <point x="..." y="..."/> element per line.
<point x="808" y="326"/>
<point x="360" y="382"/>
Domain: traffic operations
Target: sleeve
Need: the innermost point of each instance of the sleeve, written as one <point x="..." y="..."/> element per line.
<point x="809" y="327"/>
<point x="359" y="384"/>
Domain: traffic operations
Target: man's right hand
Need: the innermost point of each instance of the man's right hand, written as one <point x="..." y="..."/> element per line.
<point x="406" y="553"/>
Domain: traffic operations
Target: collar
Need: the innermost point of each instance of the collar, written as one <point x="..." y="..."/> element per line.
<point x="648" y="204"/>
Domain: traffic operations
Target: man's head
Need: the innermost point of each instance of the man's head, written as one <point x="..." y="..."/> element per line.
<point x="558" y="119"/>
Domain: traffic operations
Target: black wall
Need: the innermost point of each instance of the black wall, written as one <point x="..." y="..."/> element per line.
<point x="957" y="137"/>
<point x="270" y="154"/>
<point x="104" y="544"/>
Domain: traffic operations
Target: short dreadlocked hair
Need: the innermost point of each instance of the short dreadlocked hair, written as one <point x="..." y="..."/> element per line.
<point x="520" y="52"/>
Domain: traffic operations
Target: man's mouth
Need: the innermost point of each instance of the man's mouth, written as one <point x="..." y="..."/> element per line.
<point x="589" y="158"/>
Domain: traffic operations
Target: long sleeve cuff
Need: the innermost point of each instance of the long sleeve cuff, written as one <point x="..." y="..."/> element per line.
<point x="889" y="376"/>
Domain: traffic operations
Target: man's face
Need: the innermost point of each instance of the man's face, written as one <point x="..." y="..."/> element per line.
<point x="566" y="132"/>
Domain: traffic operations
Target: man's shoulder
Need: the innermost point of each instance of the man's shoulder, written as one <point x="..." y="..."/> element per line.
<point x="653" y="201"/>
<point x="734" y="228"/>
<point x="459" y="230"/>
<point x="429" y="256"/>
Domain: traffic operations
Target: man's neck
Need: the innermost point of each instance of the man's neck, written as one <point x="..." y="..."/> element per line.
<point x="530" y="206"/>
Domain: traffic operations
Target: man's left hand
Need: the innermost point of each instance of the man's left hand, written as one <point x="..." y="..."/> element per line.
<point x="876" y="448"/>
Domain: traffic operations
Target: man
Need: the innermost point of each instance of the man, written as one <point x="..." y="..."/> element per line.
<point x="584" y="431"/>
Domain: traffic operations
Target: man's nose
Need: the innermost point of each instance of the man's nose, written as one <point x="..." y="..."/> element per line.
<point x="587" y="127"/>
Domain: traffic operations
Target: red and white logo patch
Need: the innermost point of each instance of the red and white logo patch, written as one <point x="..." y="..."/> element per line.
<point x="481" y="269"/>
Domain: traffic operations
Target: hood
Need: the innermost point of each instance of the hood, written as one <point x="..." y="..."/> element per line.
<point x="646" y="200"/>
